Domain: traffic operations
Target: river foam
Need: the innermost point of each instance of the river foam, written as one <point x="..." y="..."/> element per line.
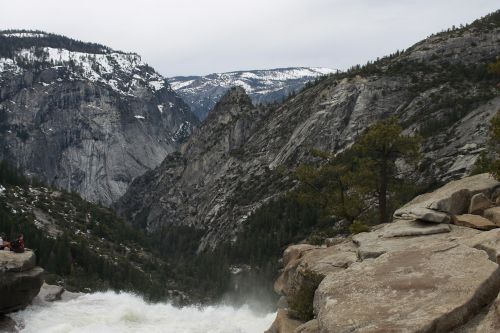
<point x="123" y="313"/>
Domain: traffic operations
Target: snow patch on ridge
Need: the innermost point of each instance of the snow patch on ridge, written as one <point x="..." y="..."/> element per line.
<point x="125" y="73"/>
<point x="180" y="84"/>
<point x="24" y="35"/>
<point x="157" y="85"/>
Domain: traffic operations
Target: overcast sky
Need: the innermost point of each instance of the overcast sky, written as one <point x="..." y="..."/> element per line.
<point x="185" y="37"/>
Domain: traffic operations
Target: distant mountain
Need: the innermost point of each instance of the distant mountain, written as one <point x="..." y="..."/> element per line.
<point x="83" y="117"/>
<point x="242" y="155"/>
<point x="272" y="85"/>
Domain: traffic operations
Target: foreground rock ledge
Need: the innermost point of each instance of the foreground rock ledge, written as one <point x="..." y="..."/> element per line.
<point x="431" y="289"/>
<point x="411" y="275"/>
<point x="20" y="280"/>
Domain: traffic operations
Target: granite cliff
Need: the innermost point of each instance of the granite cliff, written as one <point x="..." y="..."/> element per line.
<point x="83" y="117"/>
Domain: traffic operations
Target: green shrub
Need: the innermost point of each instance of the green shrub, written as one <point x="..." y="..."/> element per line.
<point x="357" y="227"/>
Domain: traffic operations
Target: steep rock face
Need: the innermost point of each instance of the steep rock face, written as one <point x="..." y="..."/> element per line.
<point x="83" y="117"/>
<point x="201" y="93"/>
<point x="189" y="184"/>
<point x="447" y="97"/>
<point x="20" y="280"/>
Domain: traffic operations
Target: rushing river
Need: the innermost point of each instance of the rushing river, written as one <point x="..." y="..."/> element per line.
<point x="122" y="313"/>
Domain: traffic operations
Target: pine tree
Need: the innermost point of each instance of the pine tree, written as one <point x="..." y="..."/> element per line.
<point x="379" y="148"/>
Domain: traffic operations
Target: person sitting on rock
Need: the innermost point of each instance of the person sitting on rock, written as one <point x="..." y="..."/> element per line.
<point x="18" y="245"/>
<point x="4" y="244"/>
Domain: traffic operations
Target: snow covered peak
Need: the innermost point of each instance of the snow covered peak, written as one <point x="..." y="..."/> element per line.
<point x="202" y="92"/>
<point x="255" y="81"/>
<point x="125" y="73"/>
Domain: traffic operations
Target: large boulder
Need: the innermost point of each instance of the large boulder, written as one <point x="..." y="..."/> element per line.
<point x="291" y="259"/>
<point x="432" y="289"/>
<point x="424" y="214"/>
<point x="487" y="241"/>
<point x="474" y="221"/>
<point x="414" y="228"/>
<point x="493" y="214"/>
<point x="294" y="252"/>
<point x="375" y="243"/>
<point x="478" y="203"/>
<point x="50" y="293"/>
<point x="312" y="261"/>
<point x="453" y="198"/>
<point x="20" y="280"/>
<point x="17" y="262"/>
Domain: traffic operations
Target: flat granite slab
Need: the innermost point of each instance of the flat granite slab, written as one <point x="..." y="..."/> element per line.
<point x="433" y="289"/>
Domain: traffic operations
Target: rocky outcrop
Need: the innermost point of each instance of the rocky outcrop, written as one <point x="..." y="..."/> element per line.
<point x="489" y="242"/>
<point x="82" y="117"/>
<point x="478" y="203"/>
<point x="374" y="244"/>
<point x="405" y="276"/>
<point x="238" y="161"/>
<point x="474" y="221"/>
<point x="414" y="290"/>
<point x="50" y="293"/>
<point x="493" y="214"/>
<point x="20" y="280"/>
<point x="301" y="260"/>
<point x="400" y="228"/>
<point x="450" y="203"/>
<point x="452" y="199"/>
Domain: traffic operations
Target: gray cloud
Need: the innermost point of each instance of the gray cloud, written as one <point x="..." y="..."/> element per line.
<point x="186" y="37"/>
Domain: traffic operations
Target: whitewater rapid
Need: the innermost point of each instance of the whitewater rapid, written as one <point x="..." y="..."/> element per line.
<point x="109" y="312"/>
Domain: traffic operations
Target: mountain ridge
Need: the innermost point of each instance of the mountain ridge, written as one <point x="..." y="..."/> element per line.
<point x="439" y="88"/>
<point x="263" y="86"/>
